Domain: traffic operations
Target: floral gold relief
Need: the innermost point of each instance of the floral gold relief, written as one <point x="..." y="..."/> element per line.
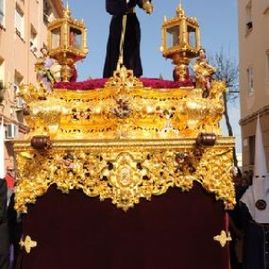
<point x="124" y="142"/>
<point x="124" y="108"/>
<point x="124" y="171"/>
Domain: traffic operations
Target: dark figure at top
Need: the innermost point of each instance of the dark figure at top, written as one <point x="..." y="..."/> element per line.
<point x="123" y="46"/>
<point x="4" y="236"/>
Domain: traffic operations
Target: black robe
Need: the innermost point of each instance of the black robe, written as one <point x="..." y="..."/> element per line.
<point x="256" y="242"/>
<point x="131" y="47"/>
<point x="15" y="229"/>
<point x="4" y="238"/>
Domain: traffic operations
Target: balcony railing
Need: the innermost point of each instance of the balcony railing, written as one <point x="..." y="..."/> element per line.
<point x="2" y="91"/>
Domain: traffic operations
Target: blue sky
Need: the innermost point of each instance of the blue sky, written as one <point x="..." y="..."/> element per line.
<point x="218" y="23"/>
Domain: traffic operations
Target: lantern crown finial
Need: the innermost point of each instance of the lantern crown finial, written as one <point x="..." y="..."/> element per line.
<point x="180" y="10"/>
<point x="67" y="11"/>
<point x="180" y="41"/>
<point x="67" y="42"/>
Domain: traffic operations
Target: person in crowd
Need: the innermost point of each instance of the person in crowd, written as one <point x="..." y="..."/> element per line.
<point x="15" y="229"/>
<point x="236" y="225"/>
<point x="4" y="235"/>
<point x="254" y="206"/>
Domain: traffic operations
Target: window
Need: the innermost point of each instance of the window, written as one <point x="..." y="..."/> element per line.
<point x="267" y="65"/>
<point x="1" y="69"/>
<point x="18" y="78"/>
<point x="249" y="23"/>
<point x="55" y="38"/>
<point x="251" y="142"/>
<point x="47" y="11"/>
<point x="75" y="38"/>
<point x="173" y="36"/>
<point x="33" y="40"/>
<point x="2" y="85"/>
<point x="250" y="80"/>
<point x="11" y="131"/>
<point x="2" y="12"/>
<point x="192" y="36"/>
<point x="19" y="21"/>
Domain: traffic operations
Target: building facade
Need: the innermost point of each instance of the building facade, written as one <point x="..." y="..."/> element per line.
<point x="254" y="75"/>
<point x="23" y="31"/>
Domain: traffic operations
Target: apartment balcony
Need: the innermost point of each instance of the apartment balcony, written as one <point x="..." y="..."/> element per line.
<point x="2" y="91"/>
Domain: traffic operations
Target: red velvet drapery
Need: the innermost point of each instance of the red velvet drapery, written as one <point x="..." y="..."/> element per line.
<point x="171" y="231"/>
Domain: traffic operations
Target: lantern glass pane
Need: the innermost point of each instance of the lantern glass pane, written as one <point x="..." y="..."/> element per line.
<point x="172" y="36"/>
<point x="55" y="38"/>
<point x="75" y="38"/>
<point x="192" y="37"/>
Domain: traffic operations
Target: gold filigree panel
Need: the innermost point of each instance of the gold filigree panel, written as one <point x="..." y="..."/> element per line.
<point x="124" y="171"/>
<point x="135" y="113"/>
<point x="123" y="109"/>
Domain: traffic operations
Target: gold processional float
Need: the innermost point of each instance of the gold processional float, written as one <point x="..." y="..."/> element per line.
<point x="125" y="141"/>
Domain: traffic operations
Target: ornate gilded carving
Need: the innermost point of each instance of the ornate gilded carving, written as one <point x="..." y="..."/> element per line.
<point x="124" y="142"/>
<point x="124" y="171"/>
<point x="223" y="238"/>
<point x="123" y="78"/>
<point x="124" y="109"/>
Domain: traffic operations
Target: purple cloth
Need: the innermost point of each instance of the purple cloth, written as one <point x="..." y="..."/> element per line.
<point x="100" y="82"/>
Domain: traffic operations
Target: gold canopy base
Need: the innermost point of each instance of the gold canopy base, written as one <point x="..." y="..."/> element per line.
<point x="124" y="171"/>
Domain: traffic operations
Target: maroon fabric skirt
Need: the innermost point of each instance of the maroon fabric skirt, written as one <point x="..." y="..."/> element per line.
<point x="174" y="230"/>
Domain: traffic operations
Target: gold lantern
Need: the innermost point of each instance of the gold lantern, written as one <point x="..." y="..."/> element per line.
<point x="180" y="41"/>
<point x="67" y="42"/>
